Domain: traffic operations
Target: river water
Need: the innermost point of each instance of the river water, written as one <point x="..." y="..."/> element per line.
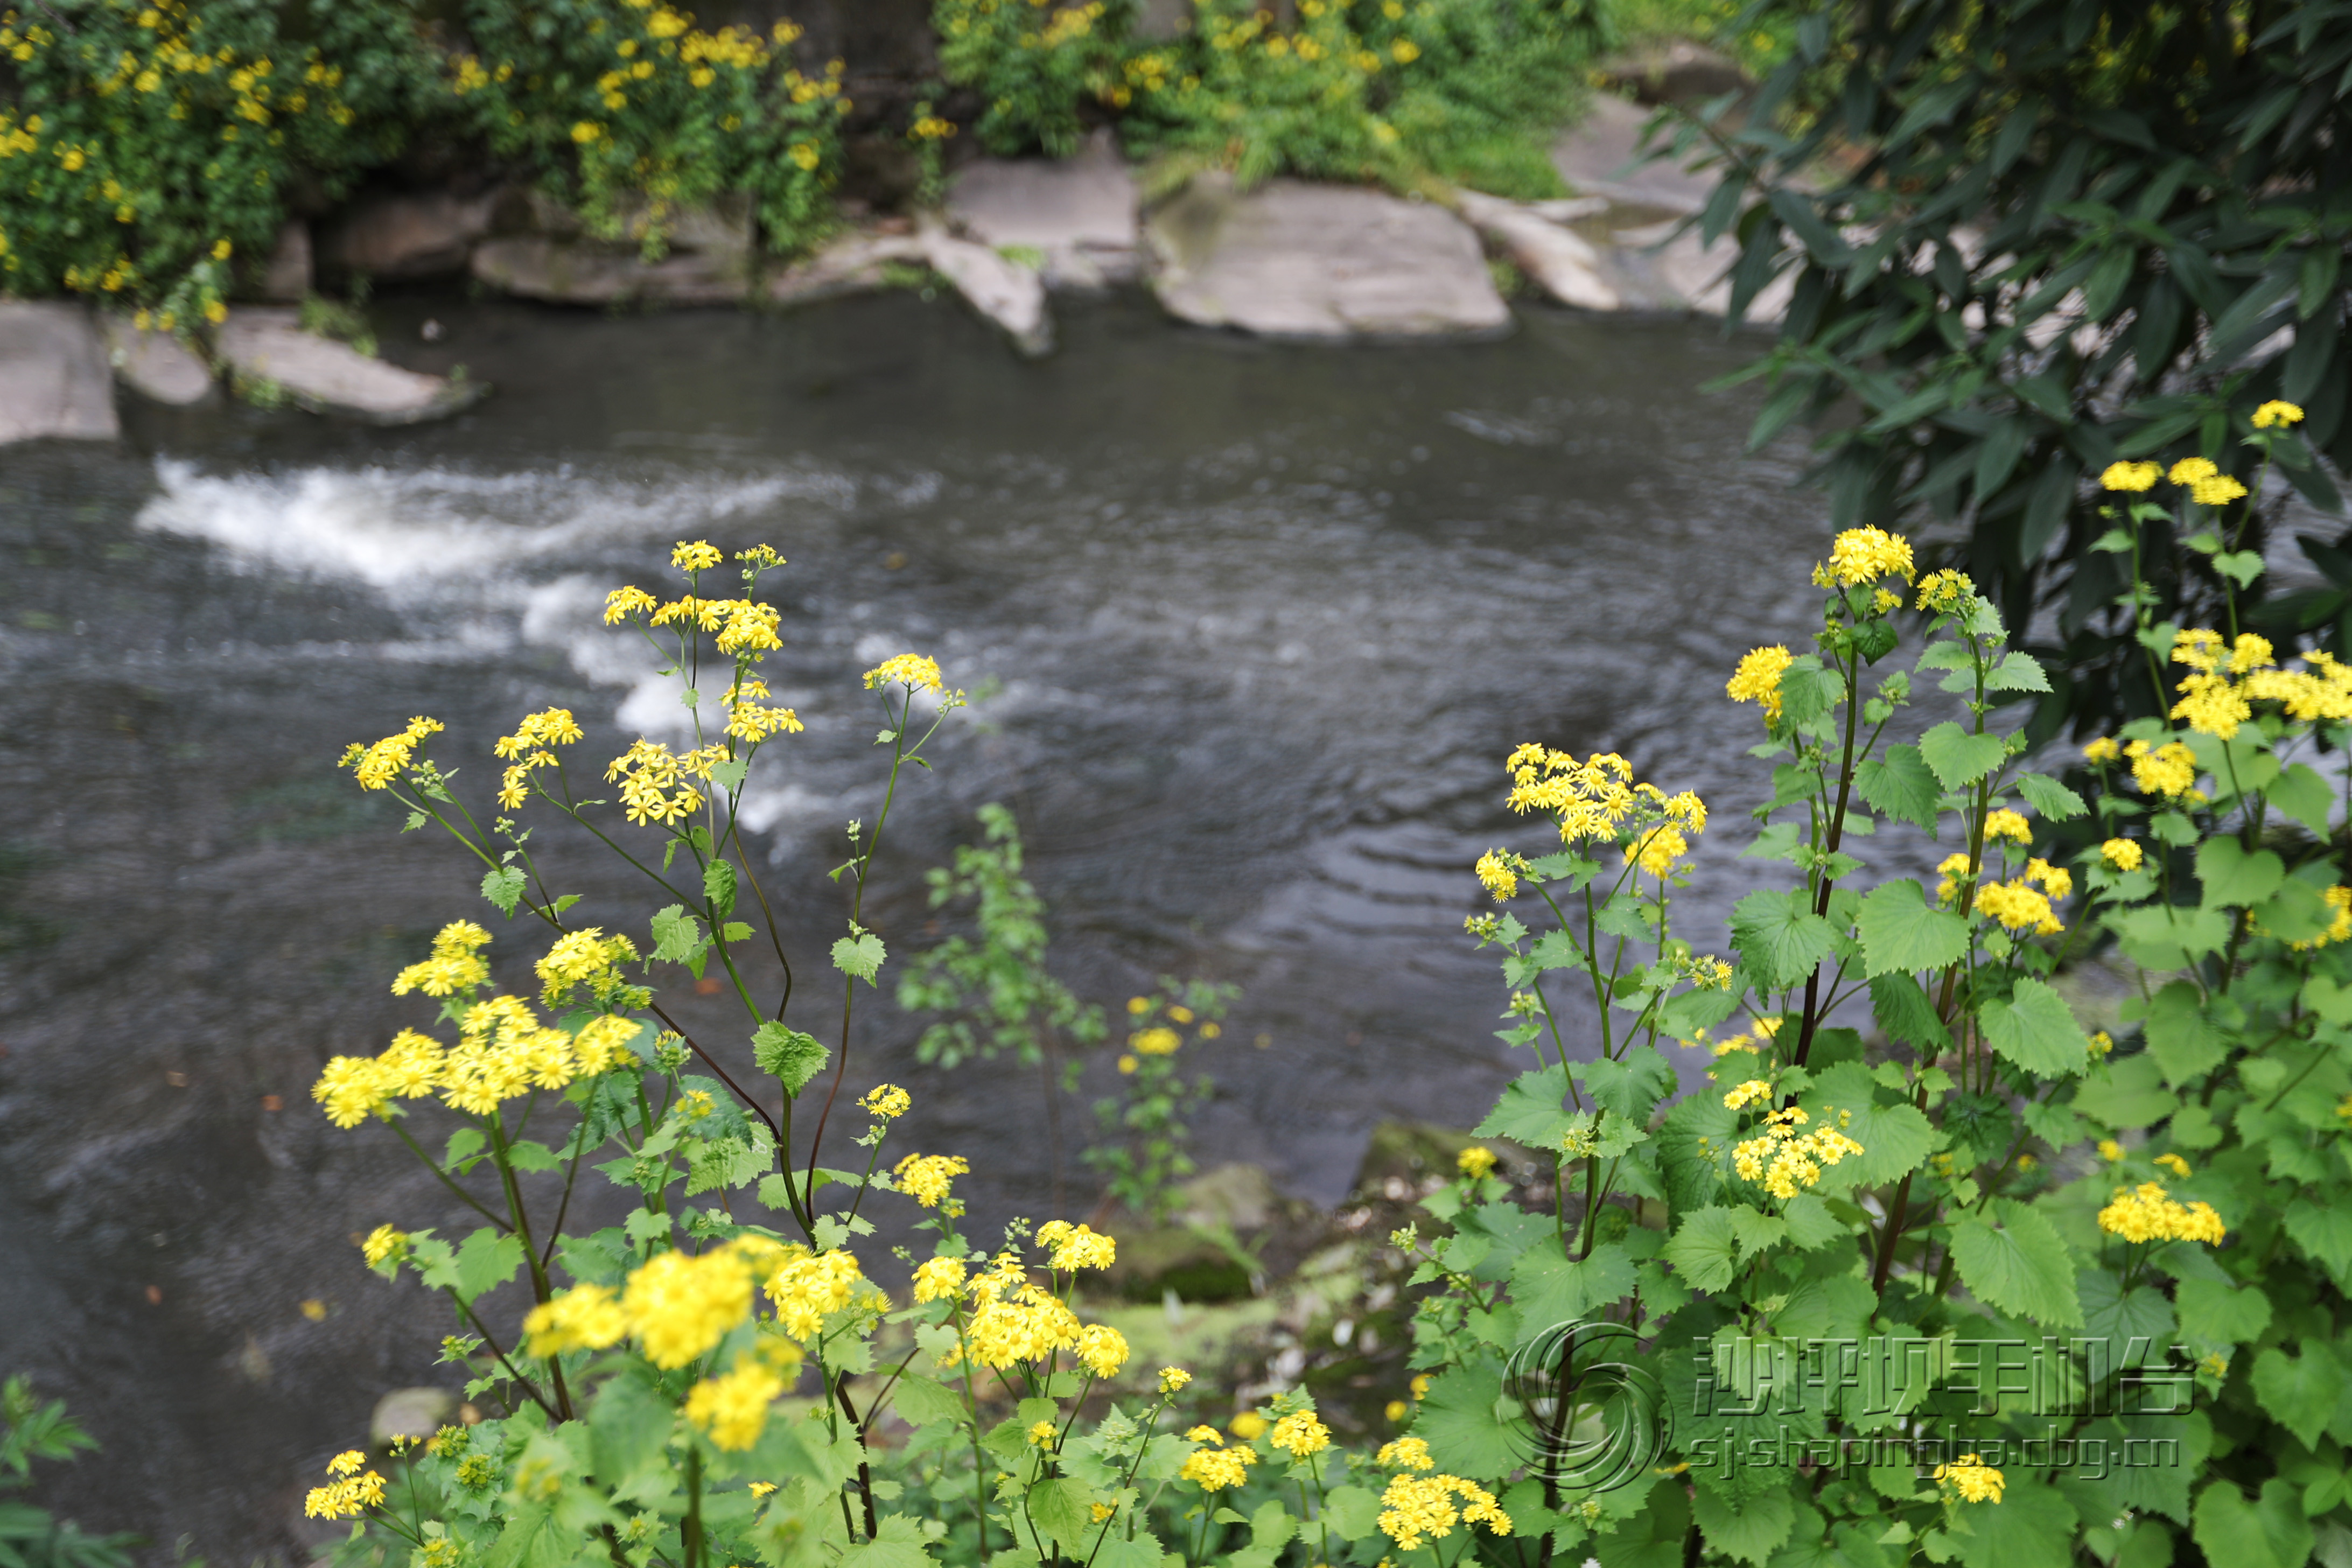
<point x="1259" y="622"/>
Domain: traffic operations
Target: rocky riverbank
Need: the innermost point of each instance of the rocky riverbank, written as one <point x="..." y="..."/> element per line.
<point x="1288" y="260"/>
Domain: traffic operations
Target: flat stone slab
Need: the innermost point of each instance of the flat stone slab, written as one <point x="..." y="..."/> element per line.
<point x="329" y="377"/>
<point x="1315" y="262"/>
<point x="850" y="265"/>
<point x="1597" y="156"/>
<point x="574" y="272"/>
<point x="1080" y="213"/>
<point x="1562" y="262"/>
<point x="54" y="379"/>
<point x="155" y="364"/>
<point x="1004" y="292"/>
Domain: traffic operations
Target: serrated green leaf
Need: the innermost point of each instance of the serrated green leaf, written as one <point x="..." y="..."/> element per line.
<point x="2036" y="1030"/>
<point x="1778" y="938"/>
<point x="2232" y="878"/>
<point x="718" y="888"/>
<point x="1459" y="1421"/>
<point x="2021" y="1267"/>
<point x="2182" y="1038"/>
<point x="1704" y="1249"/>
<point x="1632" y="1086"/>
<point x="2019" y="671"/>
<point x="1751" y="1532"/>
<point x="1900" y="786"/>
<point x="1351" y="1513"/>
<point x="2051" y="799"/>
<point x="789" y="1054"/>
<point x="1548" y="1288"/>
<point x="677" y="936"/>
<point x="1903" y="1011"/>
<point x="1062" y="1509"/>
<point x="485" y="1261"/>
<point x="2302" y="794"/>
<point x="504" y="887"/>
<point x="1958" y="758"/>
<point x="1902" y="932"/>
<point x="2214" y="1313"/>
<point x="1532" y="1110"/>
<point x="2269" y="1531"/>
<point x="859" y="955"/>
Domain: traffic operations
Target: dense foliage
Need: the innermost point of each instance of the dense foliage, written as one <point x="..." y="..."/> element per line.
<point x="30" y="1536"/>
<point x="2032" y="237"/>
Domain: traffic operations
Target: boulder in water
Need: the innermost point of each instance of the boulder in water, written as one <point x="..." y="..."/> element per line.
<point x="849" y="264"/>
<point x="1003" y="290"/>
<point x="414" y="1414"/>
<point x="400" y="235"/>
<point x="1078" y="214"/>
<point x="155" y="364"/>
<point x="583" y="272"/>
<point x="1562" y="261"/>
<point x="53" y="375"/>
<point x="1292" y="259"/>
<point x="329" y="377"/>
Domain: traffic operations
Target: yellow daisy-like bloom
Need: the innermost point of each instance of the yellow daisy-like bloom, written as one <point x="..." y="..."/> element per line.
<point x="1405" y="1453"/>
<point x="2340" y="900"/>
<point x="1249" y="1426"/>
<point x="2056" y="880"/>
<point x="377" y="766"/>
<point x="1157" y="1041"/>
<point x="2189" y="471"/>
<point x="383" y="1242"/>
<point x="911" y="670"/>
<point x="1103" y="1349"/>
<point x="886" y="1100"/>
<point x="1041" y="1434"/>
<point x="938" y="1278"/>
<point x="2121" y="854"/>
<point x="1758" y="679"/>
<point x="1498" y="874"/>
<point x="1215" y="1469"/>
<point x="2110" y="1151"/>
<point x="1747" y="1094"/>
<point x="1867" y="554"/>
<point x="810" y="1286"/>
<point x="1657" y="851"/>
<point x="585" y="957"/>
<point x="2102" y="750"/>
<point x="1945" y="590"/>
<point x="1300" y="1434"/>
<point x="1172" y="1379"/>
<point x="351" y="1089"/>
<point x="2168" y="770"/>
<point x="698" y="556"/>
<point x="1971" y="1477"/>
<point x="454" y="965"/>
<point x="2146" y="1212"/>
<point x="2277" y="413"/>
<point x="680" y="1307"/>
<point x="2218" y="489"/>
<point x="2131" y="476"/>
<point x="1474" y="1162"/>
<point x="1076" y="1247"/>
<point x="2176" y="1164"/>
<point x="622" y="603"/>
<point x="351" y="1493"/>
<point x="733" y="1408"/>
<point x="1414" y="1509"/>
<point x="926" y="1178"/>
<point x="2019" y="908"/>
<point x="2007" y="823"/>
<point x="586" y="1317"/>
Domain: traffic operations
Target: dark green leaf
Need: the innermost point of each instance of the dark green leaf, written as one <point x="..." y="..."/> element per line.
<point x="1901" y="786"/>
<point x="1958" y="758"/>
<point x="2036" y="1030"/>
<point x="1902" y="932"/>
<point x="2020" y="1266"/>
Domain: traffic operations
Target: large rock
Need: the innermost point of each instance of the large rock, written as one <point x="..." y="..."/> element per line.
<point x="393" y="235"/>
<point x="329" y="377"/>
<point x="1319" y="262"/>
<point x="1562" y="261"/>
<point x="1003" y="291"/>
<point x="1601" y="155"/>
<point x="850" y="265"/>
<point x="53" y="375"/>
<point x="286" y="277"/>
<point x="155" y="364"/>
<point x="1664" y="266"/>
<point x="1078" y="214"/>
<point x="582" y="272"/>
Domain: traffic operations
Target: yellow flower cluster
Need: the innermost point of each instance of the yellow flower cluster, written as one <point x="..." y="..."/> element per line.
<point x="653" y="780"/>
<point x="748" y="721"/>
<point x="1657" y="851"/>
<point x="2120" y="854"/>
<point x="589" y="958"/>
<point x="2277" y="413"/>
<point x="1970" y="1476"/>
<point x="938" y="1278"/>
<point x="807" y="1287"/>
<point x="1300" y="1435"/>
<point x="2018" y="904"/>
<point x="1474" y="1162"/>
<point x="351" y="1491"/>
<point x="457" y="964"/>
<point x="526" y="749"/>
<point x="1945" y="590"/>
<point x="376" y="766"/>
<point x="1174" y="1379"/>
<point x="1785" y="1159"/>
<point x="926" y="1178"/>
<point x="1405" y="1454"/>
<point x="732" y="1408"/>
<point x="383" y="1242"/>
<point x="2340" y="927"/>
<point x="2225" y="679"/>
<point x="1498" y="873"/>
<point x="1416" y="1508"/>
<point x="2003" y="823"/>
<point x="2169" y="770"/>
<point x="886" y="1100"/>
<point x="1212" y="1466"/>
<point x="2131" y="478"/>
<point x="1595" y="798"/>
<point x="1075" y="1247"/>
<point x="914" y="671"/>
<point x="1013" y="1321"/>
<point x="1867" y="554"/>
<point x="1156" y="1041"/>
<point x="2146" y="1214"/>
<point x="1758" y="679"/>
<point x="2207" y="485"/>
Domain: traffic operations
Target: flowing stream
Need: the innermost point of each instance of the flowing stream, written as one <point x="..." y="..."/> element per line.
<point x="1258" y="623"/>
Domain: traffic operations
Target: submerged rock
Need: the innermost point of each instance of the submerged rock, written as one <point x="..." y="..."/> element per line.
<point x="850" y="265"/>
<point x="583" y="272"/>
<point x="328" y="377"/>
<point x="1004" y="291"/>
<point x="1296" y="260"/>
<point x="1559" y="260"/>
<point x="155" y="364"/>
<point x="53" y="375"/>
<point x="1078" y="214"/>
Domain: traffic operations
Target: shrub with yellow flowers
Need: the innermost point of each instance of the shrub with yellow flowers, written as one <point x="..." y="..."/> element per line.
<point x="640" y="116"/>
<point x="1041" y="66"/>
<point x="148" y="150"/>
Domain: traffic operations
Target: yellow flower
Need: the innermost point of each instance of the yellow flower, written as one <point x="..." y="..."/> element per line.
<point x="810" y="1286"/>
<point x="2166" y="770"/>
<point x="1139" y="1005"/>
<point x="1215" y="1469"/>
<point x="383" y="1242"/>
<point x="2131" y="476"/>
<point x="1172" y="1379"/>
<point x="1867" y="554"/>
<point x="1414" y="1509"/>
<point x="2189" y="471"/>
<point x="377" y="766"/>
<point x="1158" y="1041"/>
<point x="886" y="1100"/>
<point x="1971" y="1477"/>
<point x="2102" y="750"/>
<point x="2340" y="900"/>
<point x="1249" y="1426"/>
<point x="1394" y="1410"/>
<point x="1076" y="1247"/>
<point x="2019" y="908"/>
<point x="680" y="1307"/>
<point x="1940" y="592"/>
<point x="2146" y="1214"/>
<point x="938" y="1278"/>
<point x="622" y="603"/>
<point x="1475" y="1161"/>
<point x="350" y="1493"/>
<point x="2176" y="1164"/>
<point x="2276" y="412"/>
<point x="1758" y="679"/>
<point x="1405" y="51"/>
<point x="2110" y="1150"/>
<point x="586" y="1317"/>
<point x="2121" y="854"/>
<point x="699" y="555"/>
<point x="733" y="1408"/>
<point x="2006" y="825"/>
<point x="1657" y="851"/>
<point x="911" y="670"/>
<point x="586" y="130"/>
<point x="1300" y="1434"/>
<point x="1128" y="1064"/>
<point x="1405" y="1453"/>
<point x="926" y="1178"/>
<point x="1497" y="873"/>
<point x="1747" y="1094"/>
<point x="1103" y="1349"/>
<point x="2218" y="489"/>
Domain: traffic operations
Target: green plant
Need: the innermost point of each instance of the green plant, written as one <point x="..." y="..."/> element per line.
<point x="2070" y="232"/>
<point x="345" y="323"/>
<point x="628" y="109"/>
<point x="143" y="147"/>
<point x="1039" y="65"/>
<point x="994" y="985"/>
<point x="1148" y="1120"/>
<point x="927" y="134"/>
<point x="30" y="1537"/>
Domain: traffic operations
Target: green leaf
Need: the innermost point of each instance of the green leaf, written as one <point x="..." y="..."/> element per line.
<point x="2323" y="1231"/>
<point x="1901" y="932"/>
<point x="1654" y="1536"/>
<point x="1631" y="1085"/>
<point x="897" y="1542"/>
<point x="464" y="1143"/>
<point x="1750" y="1532"/>
<point x="1532" y="1110"/>
<point x="677" y="936"/>
<point x="2232" y="878"/>
<point x="718" y="888"/>
<point x="1549" y="1290"/>
<point x="2182" y="1038"/>
<point x="2119" y="1317"/>
<point x="1705" y="1250"/>
<point x="2049" y="797"/>
<point x="2165" y="937"/>
<point x="1459" y="1421"/>
<point x="1894" y="1138"/>
<point x="2296" y="912"/>
<point x="1900" y="786"/>
<point x="2128" y="1093"/>
<point x="1958" y="759"/>
<point x="2022" y="1267"/>
<point x="2267" y="1533"/>
<point x="2302" y="794"/>
<point x="2300" y="1391"/>
<point x="790" y="1055"/>
<point x="1778" y="938"/>
<point x="2035" y="1029"/>
<point x="2019" y="671"/>
<point x="1351" y="1513"/>
<point x="921" y="1402"/>
<point x="2032" y="1526"/>
<point x="1903" y="1011"/>
<point x="859" y="955"/>
<point x="528" y="1155"/>
<point x="503" y="887"/>
<point x="728" y="775"/>
<point x="1062" y="1509"/>
<point x="486" y="1261"/>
